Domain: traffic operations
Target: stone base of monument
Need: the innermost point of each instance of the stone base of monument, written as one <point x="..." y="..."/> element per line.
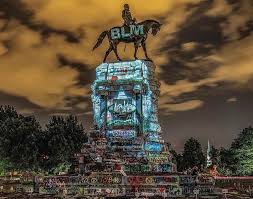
<point x="116" y="185"/>
<point x="125" y="155"/>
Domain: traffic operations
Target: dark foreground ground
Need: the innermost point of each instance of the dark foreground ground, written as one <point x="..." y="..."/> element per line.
<point x="36" y="196"/>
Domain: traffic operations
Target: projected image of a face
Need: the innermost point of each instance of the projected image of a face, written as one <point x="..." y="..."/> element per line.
<point x="121" y="109"/>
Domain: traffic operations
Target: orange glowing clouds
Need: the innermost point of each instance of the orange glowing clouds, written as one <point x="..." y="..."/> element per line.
<point x="30" y="68"/>
<point x="93" y="17"/>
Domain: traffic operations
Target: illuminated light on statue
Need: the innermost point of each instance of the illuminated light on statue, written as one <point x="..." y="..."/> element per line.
<point x="115" y="33"/>
<point x="126" y="107"/>
<point x="124" y="134"/>
<point x="153" y="146"/>
<point x="127" y="135"/>
<point x="125" y="110"/>
<point x="121" y="33"/>
<point x="137" y="30"/>
<point x="137" y="34"/>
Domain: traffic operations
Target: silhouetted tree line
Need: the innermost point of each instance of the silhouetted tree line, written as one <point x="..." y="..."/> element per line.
<point x="236" y="160"/>
<point x="25" y="146"/>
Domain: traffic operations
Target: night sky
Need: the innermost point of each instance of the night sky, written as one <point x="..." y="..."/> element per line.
<point x="204" y="58"/>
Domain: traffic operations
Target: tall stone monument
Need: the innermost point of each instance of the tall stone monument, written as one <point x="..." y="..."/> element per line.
<point x="125" y="99"/>
<point x="125" y="154"/>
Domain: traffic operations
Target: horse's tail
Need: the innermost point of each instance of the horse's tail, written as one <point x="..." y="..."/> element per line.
<point x="100" y="39"/>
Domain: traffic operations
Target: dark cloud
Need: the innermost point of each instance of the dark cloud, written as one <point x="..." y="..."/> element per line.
<point x="18" y="102"/>
<point x="201" y="30"/>
<point x="17" y="10"/>
<point x="86" y="74"/>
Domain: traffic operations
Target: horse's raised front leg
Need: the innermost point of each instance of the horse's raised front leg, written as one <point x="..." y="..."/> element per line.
<point x="108" y="52"/>
<point x="136" y="46"/>
<point x="143" y="44"/>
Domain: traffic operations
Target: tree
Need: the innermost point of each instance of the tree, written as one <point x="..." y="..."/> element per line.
<point x="4" y="166"/>
<point x="172" y="152"/>
<point x="242" y="149"/>
<point x="225" y="161"/>
<point x="18" y="140"/>
<point x="25" y="146"/>
<point x="64" y="138"/>
<point x="180" y="163"/>
<point x="214" y="153"/>
<point x="193" y="155"/>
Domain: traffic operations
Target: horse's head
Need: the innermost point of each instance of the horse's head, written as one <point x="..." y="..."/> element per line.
<point x="155" y="27"/>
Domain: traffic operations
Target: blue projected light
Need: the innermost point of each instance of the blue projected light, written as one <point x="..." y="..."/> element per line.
<point x="126" y="134"/>
<point x="124" y="98"/>
<point x="153" y="146"/>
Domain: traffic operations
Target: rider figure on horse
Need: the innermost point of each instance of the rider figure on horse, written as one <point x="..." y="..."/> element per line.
<point x="127" y="17"/>
<point x="131" y="32"/>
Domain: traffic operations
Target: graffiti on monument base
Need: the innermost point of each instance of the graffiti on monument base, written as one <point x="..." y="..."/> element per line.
<point x="187" y="180"/>
<point x="170" y="191"/>
<point x="135" y="168"/>
<point x="174" y="191"/>
<point x="147" y="180"/>
<point x="205" y="180"/>
<point x="114" y="184"/>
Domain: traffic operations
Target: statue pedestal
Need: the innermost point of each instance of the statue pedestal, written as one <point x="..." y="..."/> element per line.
<point x="126" y="144"/>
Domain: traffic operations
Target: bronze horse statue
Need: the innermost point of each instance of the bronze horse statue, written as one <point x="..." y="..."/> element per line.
<point x="136" y="33"/>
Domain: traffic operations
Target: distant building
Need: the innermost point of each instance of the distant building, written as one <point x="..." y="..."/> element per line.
<point x="208" y="155"/>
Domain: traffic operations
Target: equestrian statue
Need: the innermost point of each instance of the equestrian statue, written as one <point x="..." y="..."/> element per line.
<point x="130" y="32"/>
